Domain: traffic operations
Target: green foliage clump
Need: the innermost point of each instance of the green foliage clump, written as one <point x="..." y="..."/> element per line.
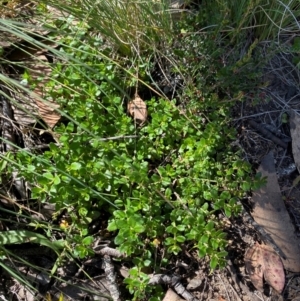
<point x="162" y="184"/>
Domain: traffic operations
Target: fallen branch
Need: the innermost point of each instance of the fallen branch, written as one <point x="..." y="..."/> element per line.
<point x="267" y="134"/>
<point x="174" y="283"/>
<point x="110" y="252"/>
<point x="111" y="278"/>
<point x="107" y="265"/>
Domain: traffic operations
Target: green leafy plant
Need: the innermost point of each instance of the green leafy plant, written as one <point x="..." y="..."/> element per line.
<point x="170" y="179"/>
<point x="162" y="184"/>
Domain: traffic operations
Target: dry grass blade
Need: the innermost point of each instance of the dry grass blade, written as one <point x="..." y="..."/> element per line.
<point x="143" y="21"/>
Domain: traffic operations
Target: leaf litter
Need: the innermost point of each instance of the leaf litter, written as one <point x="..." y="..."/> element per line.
<point x="281" y="98"/>
<point x="270" y="213"/>
<point x="137" y="108"/>
<point x="263" y="263"/>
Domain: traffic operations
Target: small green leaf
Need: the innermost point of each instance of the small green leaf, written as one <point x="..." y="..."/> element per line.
<point x="213" y="262"/>
<point x="225" y="195"/>
<point x="31" y="168"/>
<point x="246" y="186"/>
<point x="296" y="45"/>
<point x="75" y="166"/>
<point x="180" y="239"/>
<point x="119" y="239"/>
<point x="214" y="244"/>
<point x="48" y="175"/>
<point x="222" y="254"/>
<point x="169" y="241"/>
<point x="83" y="211"/>
<point x="207" y="195"/>
<point x="88" y="240"/>
<point x="210" y="226"/>
<point x="204" y="239"/>
<point x="202" y="251"/>
<point x="35" y="192"/>
<point x="112" y="226"/>
<point x="3" y="165"/>
<point x="119" y="214"/>
<point x="174" y="249"/>
<point x="56" y="180"/>
<point x="180" y="227"/>
<point x="228" y="211"/>
<point x="139" y="228"/>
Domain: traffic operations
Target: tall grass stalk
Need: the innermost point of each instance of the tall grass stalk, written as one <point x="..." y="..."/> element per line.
<point x="264" y="20"/>
<point x="128" y="25"/>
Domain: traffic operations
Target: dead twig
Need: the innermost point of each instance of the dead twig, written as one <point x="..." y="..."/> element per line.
<point x="267" y="134"/>
<point x="110" y="252"/>
<point x="204" y="288"/>
<point x="243" y="288"/>
<point x="225" y="288"/>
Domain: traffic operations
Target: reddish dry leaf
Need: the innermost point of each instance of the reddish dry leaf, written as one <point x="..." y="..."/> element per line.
<point x="261" y="261"/>
<point x="254" y="263"/>
<point x="137" y="109"/>
<point x="273" y="269"/>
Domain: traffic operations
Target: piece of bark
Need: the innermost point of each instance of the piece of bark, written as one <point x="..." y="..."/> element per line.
<point x="295" y="134"/>
<point x="8" y="134"/>
<point x="171" y="296"/>
<point x="270" y="213"/>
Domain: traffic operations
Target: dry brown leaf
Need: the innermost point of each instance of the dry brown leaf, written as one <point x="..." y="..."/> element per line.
<point x="271" y="215"/>
<point x="137" y="109"/>
<point x="254" y="263"/>
<point x="273" y="269"/>
<point x="47" y="110"/>
<point x="261" y="261"/>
